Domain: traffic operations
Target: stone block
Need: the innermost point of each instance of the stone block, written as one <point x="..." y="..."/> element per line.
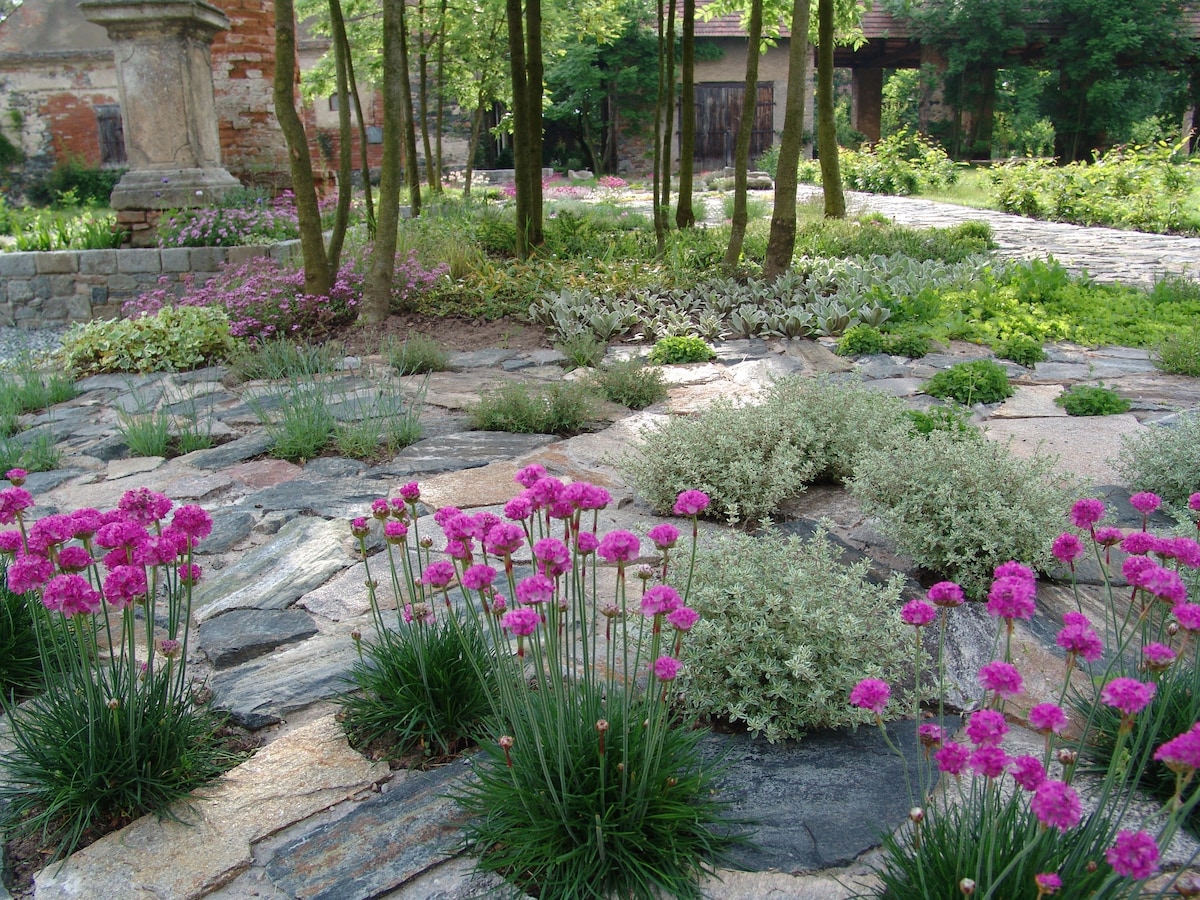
<point x="97" y="262"/>
<point x="19" y="290"/>
<point x="118" y="283"/>
<point x="57" y="262"/>
<point x="62" y="285"/>
<point x="286" y="251"/>
<point x="17" y="265"/>
<point x="206" y="259"/>
<point x="237" y="256"/>
<point x="131" y="261"/>
<point x="176" y="259"/>
<point x="79" y="307"/>
<point x="41" y="287"/>
<point x="55" y="309"/>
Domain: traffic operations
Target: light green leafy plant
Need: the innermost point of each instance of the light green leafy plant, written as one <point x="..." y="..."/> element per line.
<point x="959" y="507"/>
<point x="175" y="338"/>
<point x="979" y="381"/>
<point x="785" y="632"/>
<point x="1091" y="400"/>
<point x="680" y="349"/>
<point x="1163" y="459"/>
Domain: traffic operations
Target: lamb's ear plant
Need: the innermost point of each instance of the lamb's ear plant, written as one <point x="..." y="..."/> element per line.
<point x="1163" y="459"/>
<point x="117" y="731"/>
<point x="976" y="834"/>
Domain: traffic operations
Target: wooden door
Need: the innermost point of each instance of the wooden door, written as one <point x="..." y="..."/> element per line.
<point x="718" y="115"/>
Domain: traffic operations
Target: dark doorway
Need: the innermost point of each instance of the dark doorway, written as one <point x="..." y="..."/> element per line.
<point x="718" y="114"/>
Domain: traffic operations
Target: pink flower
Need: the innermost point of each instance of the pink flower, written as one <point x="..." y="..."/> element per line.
<point x="1002" y="678"/>
<point x="1128" y="695"/>
<point x="535" y="589"/>
<point x="27" y="573"/>
<point x="1145" y="502"/>
<point x="125" y="585"/>
<point x="1182" y="753"/>
<point x="987" y="728"/>
<point x="1138" y="543"/>
<point x="1108" y="536"/>
<point x="1194" y="501"/>
<point x="1157" y="657"/>
<point x="521" y="621"/>
<point x="553" y="557"/>
<point x="664" y="536"/>
<point x="1047" y="883"/>
<point x="1186" y="550"/>
<point x="421" y="612"/>
<point x="380" y="508"/>
<point x="530" y="475"/>
<point x="1013" y="569"/>
<point x="16" y="477"/>
<point x="518" y="508"/>
<point x="1048" y="717"/>
<point x="683" y="618"/>
<point x="144" y="505"/>
<point x="872" y="694"/>
<point x="666" y="668"/>
<point x="192" y="521"/>
<point x="619" y="546"/>
<point x="952" y="758"/>
<point x="358" y="527"/>
<point x="71" y="595"/>
<point x="1056" y="805"/>
<point x="10" y="542"/>
<point x="946" y="593"/>
<point x="1187" y="615"/>
<point x="918" y="613"/>
<point x="447" y="514"/>
<point x="477" y="577"/>
<point x="504" y="539"/>
<point x="586" y="543"/>
<point x="395" y="532"/>
<point x="1087" y="512"/>
<point x="544" y="492"/>
<point x="1078" y="637"/>
<point x="1133" y="855"/>
<point x="583" y="495"/>
<point x="189" y="573"/>
<point x="438" y="574"/>
<point x="1067" y="548"/>
<point x="691" y="503"/>
<point x="410" y="492"/>
<point x="990" y="762"/>
<point x="1012" y="597"/>
<point x="50" y="531"/>
<point x="660" y="599"/>
<point x="930" y="735"/>
<point x="73" y="559"/>
<point x="1028" y="772"/>
<point x="13" y="500"/>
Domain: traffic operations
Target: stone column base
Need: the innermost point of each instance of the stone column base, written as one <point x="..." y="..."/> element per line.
<point x="171" y="188"/>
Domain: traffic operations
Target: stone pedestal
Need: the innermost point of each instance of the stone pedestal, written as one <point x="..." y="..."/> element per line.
<point x="164" y="75"/>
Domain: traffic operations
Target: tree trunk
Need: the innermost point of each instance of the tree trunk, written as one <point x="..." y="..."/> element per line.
<point x="782" y="241"/>
<point x="410" y="127"/>
<point x="439" y="121"/>
<point x="377" y="290"/>
<point x="656" y="195"/>
<point x="534" y="82"/>
<point x="741" y="161"/>
<point x="317" y="277"/>
<point x="520" y="113"/>
<point x="827" y="147"/>
<point x="684" y="217"/>
<point x="423" y="95"/>
<point x="340" y="35"/>
<point x="668" y="114"/>
<point x="345" y="151"/>
<point x="473" y="144"/>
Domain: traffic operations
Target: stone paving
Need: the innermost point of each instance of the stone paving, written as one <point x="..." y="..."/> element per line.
<point x="309" y="817"/>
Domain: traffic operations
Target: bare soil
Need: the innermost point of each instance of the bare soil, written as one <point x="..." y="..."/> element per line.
<point x="455" y="334"/>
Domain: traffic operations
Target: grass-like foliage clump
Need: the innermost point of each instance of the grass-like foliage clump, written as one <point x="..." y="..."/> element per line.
<point x="1163" y="459"/>
<point x="173" y="339"/>
<point x="20" y="662"/>
<point x="786" y="630"/>
<point x="1179" y="353"/>
<point x="749" y="459"/>
<point x="279" y="359"/>
<point x="630" y="382"/>
<point x="562" y="408"/>
<point x="678" y="349"/>
<point x="968" y="383"/>
<point x="958" y="505"/>
<point x="1091" y="400"/>
<point x="117" y="733"/>
<point x="416" y="355"/>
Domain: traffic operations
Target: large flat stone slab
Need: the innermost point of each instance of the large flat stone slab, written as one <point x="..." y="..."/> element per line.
<point x="462" y="450"/>
<point x="300" y="774"/>
<point x="261" y="692"/>
<point x="1084" y="445"/>
<point x="489" y="485"/>
<point x="301" y="557"/>
<point x="382" y="843"/>
<point x="1032" y="401"/>
<point x="244" y="634"/>
<point x="344" y="596"/>
<point x="335" y="498"/>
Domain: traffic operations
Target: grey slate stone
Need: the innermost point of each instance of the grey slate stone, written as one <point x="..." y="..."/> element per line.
<point x="335" y="467"/>
<point x="230" y="527"/>
<point x="38" y="482"/>
<point x="380" y="844"/>
<point x="254" y="444"/>
<point x="474" y="447"/>
<point x="337" y="498"/>
<point x="477" y="359"/>
<point x="244" y="634"/>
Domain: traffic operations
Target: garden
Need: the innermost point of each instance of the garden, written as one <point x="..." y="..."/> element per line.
<point x="579" y="639"/>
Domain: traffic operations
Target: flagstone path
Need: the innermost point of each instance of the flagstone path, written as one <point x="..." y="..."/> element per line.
<point x="309" y="817"/>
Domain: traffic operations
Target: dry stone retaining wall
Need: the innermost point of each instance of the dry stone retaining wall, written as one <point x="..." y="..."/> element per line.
<point x="62" y="287"/>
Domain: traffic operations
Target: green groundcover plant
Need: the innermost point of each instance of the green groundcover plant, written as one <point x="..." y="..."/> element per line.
<point x="117" y="731"/>
<point x="979" y="834"/>
<point x="589" y="784"/>
<point x="1163" y="459"/>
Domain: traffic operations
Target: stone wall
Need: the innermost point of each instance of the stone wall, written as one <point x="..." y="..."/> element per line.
<point x="67" y="286"/>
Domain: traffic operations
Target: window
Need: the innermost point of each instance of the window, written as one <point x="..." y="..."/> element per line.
<point x="374" y="134"/>
<point x="333" y="102"/>
<point x="112" y="135"/>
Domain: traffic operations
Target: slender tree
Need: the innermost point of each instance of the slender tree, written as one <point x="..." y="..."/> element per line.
<point x="684" y="216"/>
<point x="737" y="232"/>
<point x="668" y="121"/>
<point x="525" y="61"/>
<point x="781" y="243"/>
<point x="827" y="146"/>
<point x="408" y="122"/>
<point x="318" y="279"/>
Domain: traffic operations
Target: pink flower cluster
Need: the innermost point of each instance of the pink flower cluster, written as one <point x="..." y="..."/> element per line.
<point x="50" y="555"/>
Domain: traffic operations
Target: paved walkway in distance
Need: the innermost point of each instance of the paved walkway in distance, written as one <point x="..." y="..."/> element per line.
<point x="1107" y="254"/>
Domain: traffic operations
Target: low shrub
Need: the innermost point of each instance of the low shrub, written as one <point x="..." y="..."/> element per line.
<point x="952" y="418"/>
<point x="173" y="339"/>
<point x="680" y="349"/>
<point x="959" y="507"/>
<point x="861" y="340"/>
<point x="909" y="344"/>
<point x="902" y="163"/>
<point x="827" y="625"/>
<point x="583" y="350"/>
<point x="630" y="382"/>
<point x="562" y="408"/>
<point x="1163" y="459"/>
<point x="243" y="218"/>
<point x="968" y="383"/>
<point x="1021" y="349"/>
<point x="87" y="185"/>
<point x="748" y="459"/>
<point x="1091" y="400"/>
<point x="1179" y="353"/>
<point x="28" y="386"/>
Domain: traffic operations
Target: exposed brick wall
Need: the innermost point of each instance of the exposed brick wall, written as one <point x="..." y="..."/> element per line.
<point x="71" y="120"/>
